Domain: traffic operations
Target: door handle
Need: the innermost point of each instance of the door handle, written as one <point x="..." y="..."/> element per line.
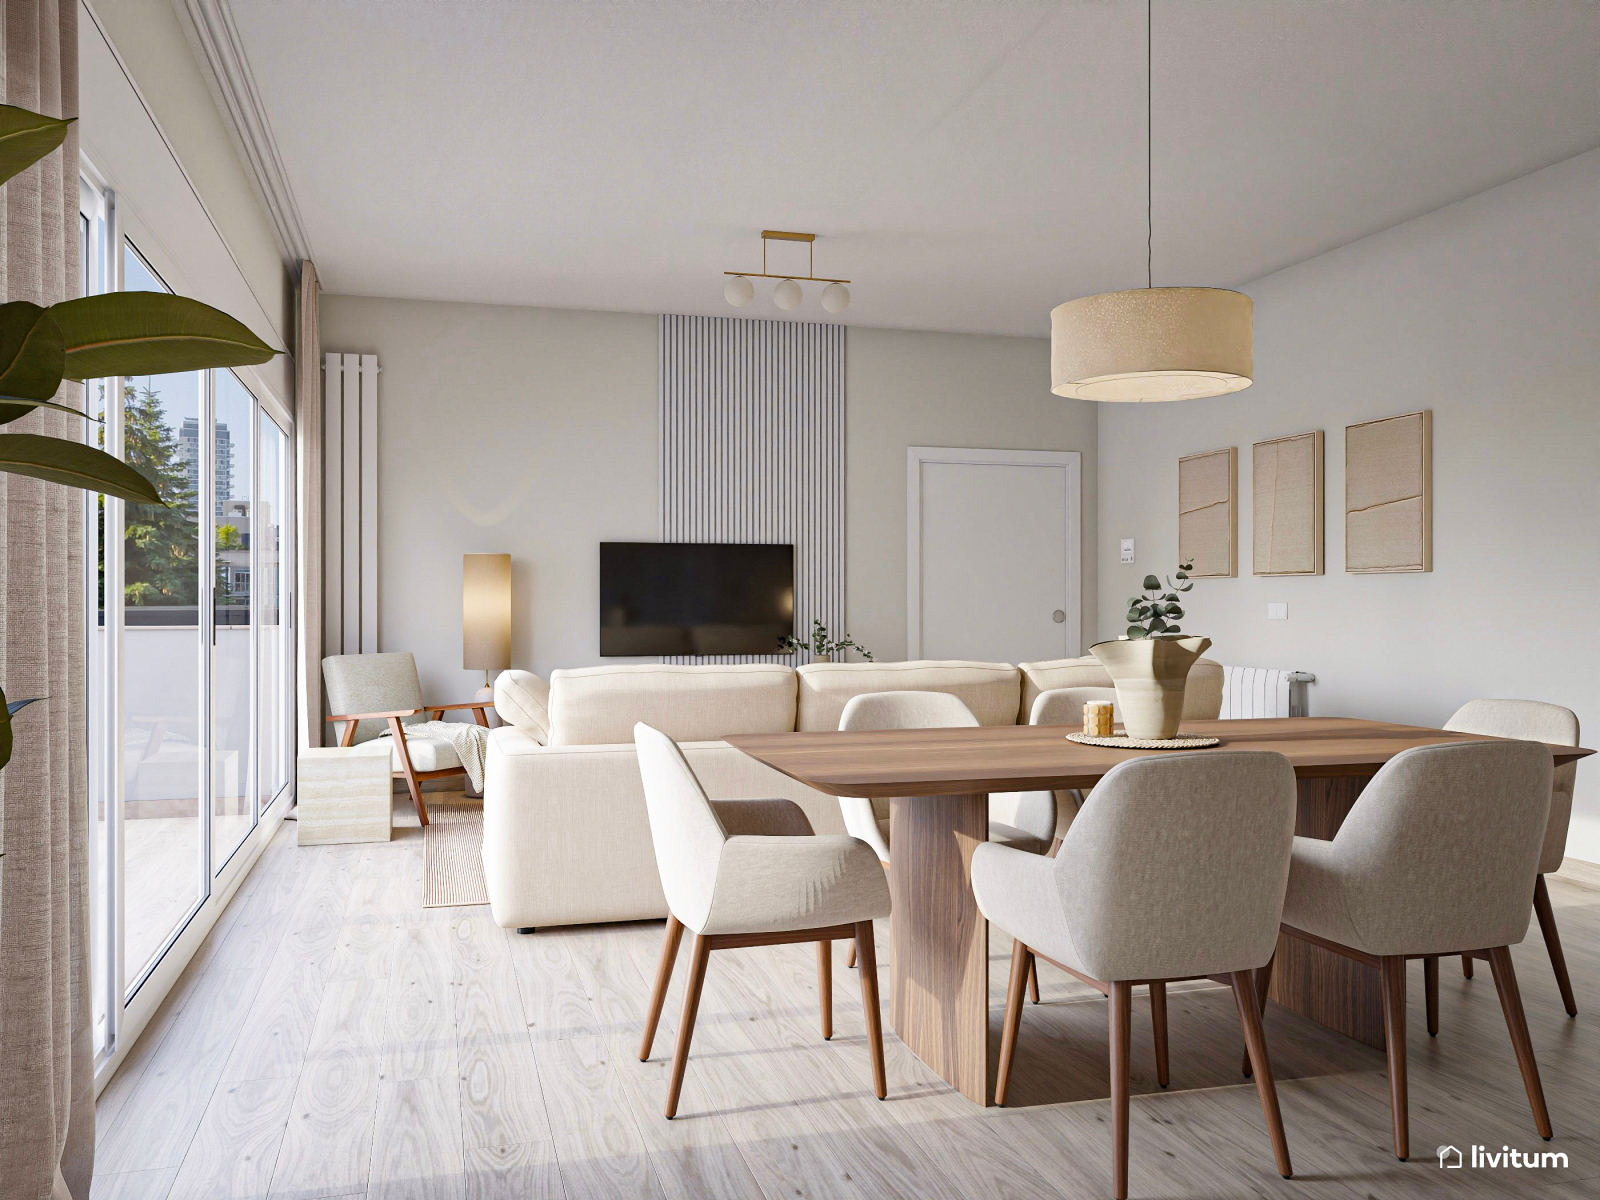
<point x="1058" y="616"/>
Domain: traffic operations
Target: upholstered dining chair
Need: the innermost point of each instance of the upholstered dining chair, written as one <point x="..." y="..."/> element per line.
<point x="1064" y="706"/>
<point x="371" y="692"/>
<point x="1025" y="820"/>
<point x="1533" y="721"/>
<point x="1436" y="857"/>
<point x="1174" y="869"/>
<point x="752" y="873"/>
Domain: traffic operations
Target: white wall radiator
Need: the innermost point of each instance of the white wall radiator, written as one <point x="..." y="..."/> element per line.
<point x="1263" y="692"/>
<point x="350" y="504"/>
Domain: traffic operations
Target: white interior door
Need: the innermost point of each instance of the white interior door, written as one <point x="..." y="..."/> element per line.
<point x="992" y="554"/>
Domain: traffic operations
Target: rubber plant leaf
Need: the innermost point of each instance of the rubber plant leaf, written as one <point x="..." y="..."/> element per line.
<point x="75" y="465"/>
<point x="26" y="137"/>
<point x="11" y="707"/>
<point x="151" y="333"/>
<point x="32" y="359"/>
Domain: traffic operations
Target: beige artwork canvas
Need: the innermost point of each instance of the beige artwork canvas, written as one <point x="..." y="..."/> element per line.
<point x="1388" y="495"/>
<point x="1286" y="505"/>
<point x="1208" y="525"/>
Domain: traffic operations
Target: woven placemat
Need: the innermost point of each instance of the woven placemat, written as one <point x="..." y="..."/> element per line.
<point x="1128" y="743"/>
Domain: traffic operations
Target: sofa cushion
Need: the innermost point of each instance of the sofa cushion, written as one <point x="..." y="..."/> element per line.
<point x="523" y="701"/>
<point x="990" y="690"/>
<point x="596" y="706"/>
<point x="1202" y="698"/>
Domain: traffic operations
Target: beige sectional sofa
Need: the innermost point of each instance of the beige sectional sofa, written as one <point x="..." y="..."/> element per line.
<point x="566" y="838"/>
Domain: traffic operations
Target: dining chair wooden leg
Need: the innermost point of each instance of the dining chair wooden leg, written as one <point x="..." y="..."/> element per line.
<point x="1263" y="985"/>
<point x="1392" y="969"/>
<point x="1121" y="1011"/>
<point x="658" y="996"/>
<point x="1255" y="1040"/>
<point x="825" y="986"/>
<point x="1466" y="965"/>
<point x="1033" y="979"/>
<point x="1020" y="960"/>
<point x="1430" y="992"/>
<point x="1158" y="1019"/>
<point x="691" y="1007"/>
<point x="867" y="966"/>
<point x="850" y="959"/>
<point x="1552" y="943"/>
<point x="1505" y="982"/>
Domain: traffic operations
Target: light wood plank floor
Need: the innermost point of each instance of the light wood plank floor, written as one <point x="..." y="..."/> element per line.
<point x="335" y="1039"/>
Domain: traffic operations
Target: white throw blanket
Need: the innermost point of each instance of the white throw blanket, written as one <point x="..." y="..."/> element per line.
<point x="470" y="742"/>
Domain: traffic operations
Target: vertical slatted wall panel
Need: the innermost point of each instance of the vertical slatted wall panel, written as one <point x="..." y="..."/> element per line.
<point x="752" y="450"/>
<point x="350" y="504"/>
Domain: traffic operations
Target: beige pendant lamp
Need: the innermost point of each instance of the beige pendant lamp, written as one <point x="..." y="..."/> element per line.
<point x="1150" y="343"/>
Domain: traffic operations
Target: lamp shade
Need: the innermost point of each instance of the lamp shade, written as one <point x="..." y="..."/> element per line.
<point x="486" y="612"/>
<point x="1148" y="344"/>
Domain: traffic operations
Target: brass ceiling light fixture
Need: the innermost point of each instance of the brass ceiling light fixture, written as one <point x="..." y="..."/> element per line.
<point x="1150" y="343"/>
<point x="739" y="291"/>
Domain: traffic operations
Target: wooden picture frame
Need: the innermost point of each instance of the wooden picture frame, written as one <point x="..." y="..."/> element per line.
<point x="1388" y="495"/>
<point x="1286" y="512"/>
<point x="1208" y="518"/>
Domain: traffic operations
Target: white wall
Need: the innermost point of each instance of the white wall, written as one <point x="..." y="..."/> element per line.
<point x="1488" y="313"/>
<point x="940" y="389"/>
<point x="533" y="432"/>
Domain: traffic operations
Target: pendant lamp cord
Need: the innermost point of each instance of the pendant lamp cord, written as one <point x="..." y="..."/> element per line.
<point x="1149" y="153"/>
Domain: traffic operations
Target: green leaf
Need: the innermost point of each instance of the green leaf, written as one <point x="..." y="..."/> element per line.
<point x="1135" y="632"/>
<point x="1157" y="625"/>
<point x="1183" y="575"/>
<point x="75" y="465"/>
<point x="151" y="333"/>
<point x="1172" y="610"/>
<point x="26" y="137"/>
<point x="11" y="707"/>
<point x="32" y="358"/>
<point x="24" y="406"/>
<point x="1151" y="584"/>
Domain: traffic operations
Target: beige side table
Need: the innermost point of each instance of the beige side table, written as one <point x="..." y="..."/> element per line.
<point x="344" y="794"/>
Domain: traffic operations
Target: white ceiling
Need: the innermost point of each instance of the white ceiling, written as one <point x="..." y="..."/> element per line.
<point x="968" y="165"/>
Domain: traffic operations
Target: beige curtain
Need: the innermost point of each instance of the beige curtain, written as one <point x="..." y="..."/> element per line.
<point x="46" y="1046"/>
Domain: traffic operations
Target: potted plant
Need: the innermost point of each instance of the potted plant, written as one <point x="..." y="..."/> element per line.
<point x="822" y="647"/>
<point x="93" y="337"/>
<point x="1150" y="664"/>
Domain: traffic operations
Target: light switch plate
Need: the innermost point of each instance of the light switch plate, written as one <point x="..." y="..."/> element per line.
<point x="1277" y="612"/>
<point x="1127" y="550"/>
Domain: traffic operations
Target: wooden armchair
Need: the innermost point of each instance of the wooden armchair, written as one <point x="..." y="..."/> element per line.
<point x="369" y="692"/>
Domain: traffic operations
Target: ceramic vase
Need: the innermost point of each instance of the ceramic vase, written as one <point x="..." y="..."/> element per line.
<point x="1150" y="675"/>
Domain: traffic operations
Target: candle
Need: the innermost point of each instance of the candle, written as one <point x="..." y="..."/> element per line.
<point x="1097" y="717"/>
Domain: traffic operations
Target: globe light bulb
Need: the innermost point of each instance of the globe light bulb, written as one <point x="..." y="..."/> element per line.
<point x="738" y="291"/>
<point x="787" y="294"/>
<point x="836" y="297"/>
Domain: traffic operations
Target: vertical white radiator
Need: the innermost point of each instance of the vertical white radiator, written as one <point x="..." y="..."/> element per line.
<point x="350" y="504"/>
<point x="1263" y="692"/>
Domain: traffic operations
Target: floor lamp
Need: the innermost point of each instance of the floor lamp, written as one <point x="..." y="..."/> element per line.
<point x="486" y="616"/>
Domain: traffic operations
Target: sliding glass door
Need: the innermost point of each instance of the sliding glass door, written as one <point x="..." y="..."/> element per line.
<point x="189" y="654"/>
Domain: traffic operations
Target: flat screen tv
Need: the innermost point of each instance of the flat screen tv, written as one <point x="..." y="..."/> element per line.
<point x="694" y="598"/>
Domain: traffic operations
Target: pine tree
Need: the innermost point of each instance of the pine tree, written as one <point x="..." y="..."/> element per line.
<point x="163" y="544"/>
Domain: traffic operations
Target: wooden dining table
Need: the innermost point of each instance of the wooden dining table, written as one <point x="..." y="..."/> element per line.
<point x="938" y="782"/>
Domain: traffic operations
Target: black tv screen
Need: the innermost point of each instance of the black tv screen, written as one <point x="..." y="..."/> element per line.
<point x="694" y="598"/>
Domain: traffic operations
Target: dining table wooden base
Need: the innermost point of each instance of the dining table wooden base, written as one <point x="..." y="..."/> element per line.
<point x="939" y="958"/>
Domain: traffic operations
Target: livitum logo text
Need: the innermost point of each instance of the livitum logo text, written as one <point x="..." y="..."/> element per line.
<point x="1506" y="1156"/>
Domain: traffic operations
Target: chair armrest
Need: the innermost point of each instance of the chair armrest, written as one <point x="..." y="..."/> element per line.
<point x="479" y="709"/>
<point x="375" y="716"/>
<point x="771" y="818"/>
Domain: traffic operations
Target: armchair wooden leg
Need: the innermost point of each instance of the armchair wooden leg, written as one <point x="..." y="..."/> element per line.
<point x="1021" y="960"/>
<point x="1393" y="971"/>
<point x="1430" y="991"/>
<point x="669" y="957"/>
<point x="1263" y="984"/>
<point x="1552" y="943"/>
<point x="1466" y="965"/>
<point x="825" y="986"/>
<point x="691" y="1008"/>
<point x="1158" y="1019"/>
<point x="867" y="964"/>
<point x="1033" y="979"/>
<point x="1505" y="982"/>
<point x="850" y="959"/>
<point x="1255" y="1041"/>
<point x="1121" y="1011"/>
<point x="413" y="784"/>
